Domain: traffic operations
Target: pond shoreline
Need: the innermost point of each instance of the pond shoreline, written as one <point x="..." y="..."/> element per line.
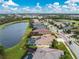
<point x="14" y="22"/>
<point x="17" y="51"/>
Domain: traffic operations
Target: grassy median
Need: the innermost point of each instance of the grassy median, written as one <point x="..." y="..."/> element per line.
<point x="62" y="47"/>
<point x="66" y="52"/>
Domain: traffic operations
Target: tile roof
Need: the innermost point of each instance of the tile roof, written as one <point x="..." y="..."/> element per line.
<point x="41" y="31"/>
<point x="47" y="53"/>
<point x="41" y="40"/>
<point x="45" y="40"/>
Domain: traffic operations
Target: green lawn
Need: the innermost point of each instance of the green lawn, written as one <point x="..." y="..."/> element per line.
<point x="18" y="50"/>
<point x="76" y="22"/>
<point x="67" y="54"/>
<point x="62" y="47"/>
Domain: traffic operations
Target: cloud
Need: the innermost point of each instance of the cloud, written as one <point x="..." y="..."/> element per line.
<point x="69" y="6"/>
<point x="26" y="9"/>
<point x="64" y="6"/>
<point x="10" y="3"/>
<point x="67" y="2"/>
<point x="37" y="9"/>
<point x="1" y="1"/>
<point x="74" y="1"/>
<point x="14" y="9"/>
<point x="56" y="4"/>
<point x="4" y="5"/>
<point x="49" y="6"/>
<point x="38" y="6"/>
<point x="57" y="7"/>
<point x="71" y="1"/>
<point x="72" y="5"/>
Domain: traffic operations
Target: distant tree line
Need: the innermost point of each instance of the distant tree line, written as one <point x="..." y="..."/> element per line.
<point x="62" y="17"/>
<point x="11" y="19"/>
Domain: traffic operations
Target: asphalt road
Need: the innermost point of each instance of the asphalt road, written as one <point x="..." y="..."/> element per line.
<point x="74" y="47"/>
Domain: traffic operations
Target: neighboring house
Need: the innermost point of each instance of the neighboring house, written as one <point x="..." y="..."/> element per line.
<point x="40" y="32"/>
<point x="47" y="53"/>
<point x="39" y="26"/>
<point x="68" y="28"/>
<point x="35" y="20"/>
<point x="36" y="24"/>
<point x="45" y="41"/>
<point x="33" y="39"/>
<point x="41" y="41"/>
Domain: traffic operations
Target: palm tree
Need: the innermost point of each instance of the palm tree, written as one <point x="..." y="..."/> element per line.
<point x="54" y="43"/>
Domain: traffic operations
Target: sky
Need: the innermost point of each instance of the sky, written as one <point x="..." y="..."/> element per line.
<point x="39" y="6"/>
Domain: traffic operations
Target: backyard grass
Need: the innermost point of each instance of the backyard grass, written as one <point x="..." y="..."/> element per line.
<point x="18" y="50"/>
<point x="76" y="22"/>
<point x="62" y="47"/>
<point x="67" y="54"/>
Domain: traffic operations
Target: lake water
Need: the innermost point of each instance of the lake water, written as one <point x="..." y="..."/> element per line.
<point x="10" y="35"/>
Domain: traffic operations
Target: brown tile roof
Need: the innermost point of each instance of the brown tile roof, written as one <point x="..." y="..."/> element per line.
<point x="45" y="39"/>
<point x="41" y="31"/>
<point x="47" y="53"/>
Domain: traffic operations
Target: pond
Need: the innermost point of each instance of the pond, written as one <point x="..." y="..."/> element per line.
<point x="11" y="35"/>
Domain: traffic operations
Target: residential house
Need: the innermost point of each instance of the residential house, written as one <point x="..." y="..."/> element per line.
<point x="44" y="41"/>
<point x="38" y="26"/>
<point x="40" y="32"/>
<point x="41" y="41"/>
<point x="47" y="53"/>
